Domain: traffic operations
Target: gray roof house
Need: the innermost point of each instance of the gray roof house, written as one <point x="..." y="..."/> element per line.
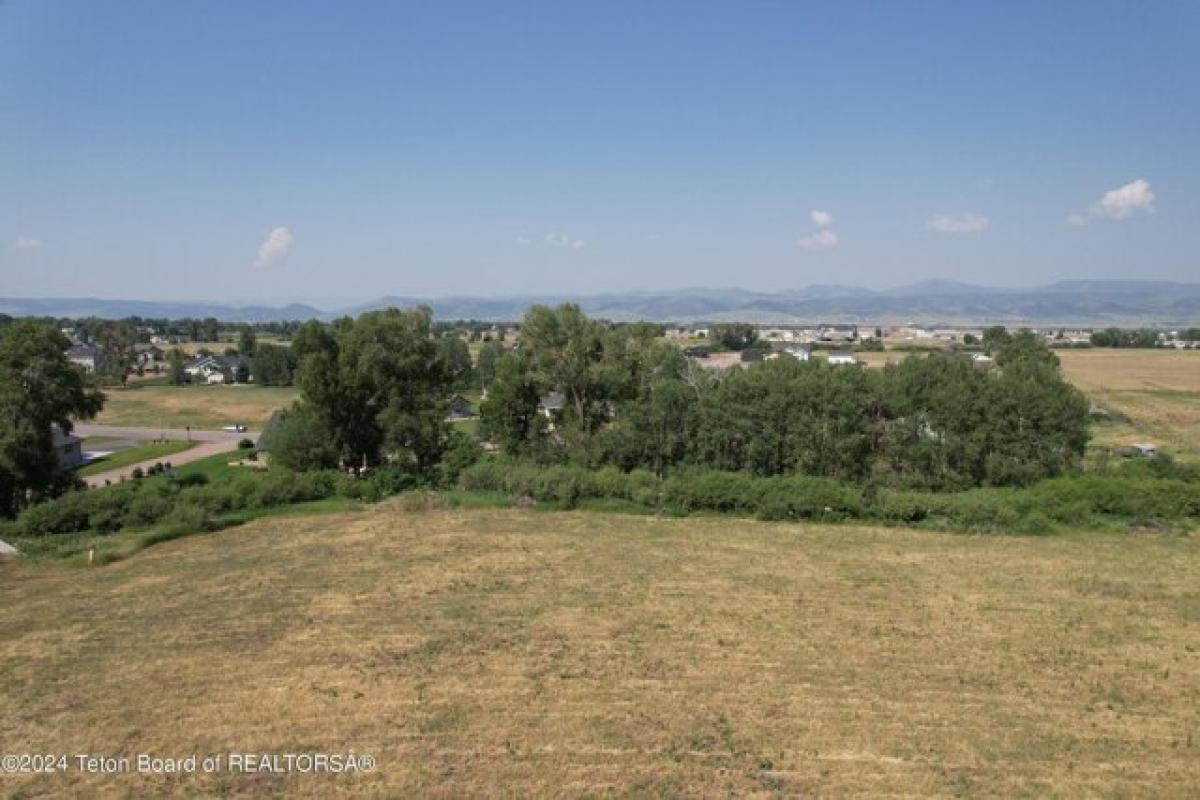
<point x="84" y="355"/>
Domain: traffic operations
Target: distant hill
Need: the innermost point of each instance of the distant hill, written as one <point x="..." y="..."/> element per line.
<point x="118" y="309"/>
<point x="1073" y="302"/>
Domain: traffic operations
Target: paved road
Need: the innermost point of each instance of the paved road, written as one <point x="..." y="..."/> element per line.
<point x="209" y="443"/>
<point x="150" y="434"/>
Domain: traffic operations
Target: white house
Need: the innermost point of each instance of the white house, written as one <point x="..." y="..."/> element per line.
<point x="841" y="358"/>
<point x="799" y="352"/>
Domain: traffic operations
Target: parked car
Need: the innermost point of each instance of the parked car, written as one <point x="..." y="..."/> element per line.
<point x="235" y="428"/>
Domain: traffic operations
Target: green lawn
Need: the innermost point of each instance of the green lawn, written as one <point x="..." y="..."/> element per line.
<point x="123" y="458"/>
<point x="212" y="466"/>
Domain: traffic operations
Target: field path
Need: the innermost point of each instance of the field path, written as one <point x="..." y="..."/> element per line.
<point x="209" y="443"/>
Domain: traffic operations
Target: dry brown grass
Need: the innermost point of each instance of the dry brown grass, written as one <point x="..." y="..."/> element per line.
<point x="197" y="406"/>
<point x="1157" y="390"/>
<point x="520" y="653"/>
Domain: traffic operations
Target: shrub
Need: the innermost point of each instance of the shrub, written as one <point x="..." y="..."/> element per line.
<point x="245" y="444"/>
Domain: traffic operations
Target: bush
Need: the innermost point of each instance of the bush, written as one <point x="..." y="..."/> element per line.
<point x="245" y="444"/>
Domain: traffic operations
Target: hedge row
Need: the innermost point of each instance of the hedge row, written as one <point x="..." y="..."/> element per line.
<point x="1071" y="500"/>
<point x="196" y="501"/>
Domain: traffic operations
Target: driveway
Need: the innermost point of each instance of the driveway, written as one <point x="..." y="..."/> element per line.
<point x="209" y="443"/>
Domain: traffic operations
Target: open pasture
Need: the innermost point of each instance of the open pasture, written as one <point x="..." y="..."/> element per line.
<point x="150" y="406"/>
<point x="502" y="653"/>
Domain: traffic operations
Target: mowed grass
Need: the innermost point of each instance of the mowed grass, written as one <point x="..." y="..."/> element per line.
<point x="198" y="406"/>
<point x="132" y="455"/>
<point x="507" y="653"/>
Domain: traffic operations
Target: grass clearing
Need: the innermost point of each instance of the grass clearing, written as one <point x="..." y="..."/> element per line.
<point x="132" y="455"/>
<point x="198" y="406"/>
<point x="497" y="652"/>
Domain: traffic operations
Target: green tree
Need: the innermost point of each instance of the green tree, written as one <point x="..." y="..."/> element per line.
<point x="115" y="340"/>
<point x="274" y="365"/>
<point x="247" y="341"/>
<point x="177" y="366"/>
<point x="300" y="440"/>
<point x="39" y="389"/>
<point x="995" y="337"/>
<point x="379" y="386"/>
<point x="734" y="335"/>
<point x="509" y="414"/>
<point x="456" y="360"/>
<point x="485" y="366"/>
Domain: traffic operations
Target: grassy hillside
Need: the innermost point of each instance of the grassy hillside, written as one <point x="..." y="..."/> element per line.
<point x="517" y="653"/>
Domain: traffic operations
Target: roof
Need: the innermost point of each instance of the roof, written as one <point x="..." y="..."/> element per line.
<point x="555" y="401"/>
<point x="82" y="351"/>
<point x="61" y="438"/>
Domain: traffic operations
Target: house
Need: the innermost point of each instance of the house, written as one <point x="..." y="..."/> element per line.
<point x="68" y="448"/>
<point x="750" y="356"/>
<point x="459" y="408"/>
<point x="842" y="358"/>
<point x="220" y="369"/>
<point x="699" y="351"/>
<point x="552" y="404"/>
<point x="799" y="352"/>
<point x="86" y="356"/>
<point x="838" y="333"/>
<point x="147" y="356"/>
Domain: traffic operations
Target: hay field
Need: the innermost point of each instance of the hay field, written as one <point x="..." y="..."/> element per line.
<point x="1158" y="390"/>
<point x="506" y="653"/>
<point x="198" y="406"/>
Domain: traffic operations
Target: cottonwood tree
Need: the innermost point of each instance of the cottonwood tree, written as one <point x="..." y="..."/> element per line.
<point x="379" y="386"/>
<point x="39" y="389"/>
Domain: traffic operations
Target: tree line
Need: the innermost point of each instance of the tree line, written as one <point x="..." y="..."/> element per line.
<point x="936" y="421"/>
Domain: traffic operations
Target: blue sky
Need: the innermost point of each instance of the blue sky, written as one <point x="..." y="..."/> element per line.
<point x="330" y="152"/>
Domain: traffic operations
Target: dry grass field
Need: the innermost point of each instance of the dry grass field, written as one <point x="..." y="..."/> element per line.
<point x="1157" y="390"/>
<point x="506" y="653"/>
<point x="198" y="406"/>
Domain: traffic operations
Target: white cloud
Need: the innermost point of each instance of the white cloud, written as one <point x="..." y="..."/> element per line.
<point x="822" y="219"/>
<point x="556" y="240"/>
<point x="1119" y="203"/>
<point x="274" y="247"/>
<point x="1125" y="201"/>
<point x="821" y="240"/>
<point x="25" y="243"/>
<point x="966" y="223"/>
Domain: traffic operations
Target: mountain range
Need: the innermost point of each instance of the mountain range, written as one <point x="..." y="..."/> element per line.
<point x="1069" y="302"/>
